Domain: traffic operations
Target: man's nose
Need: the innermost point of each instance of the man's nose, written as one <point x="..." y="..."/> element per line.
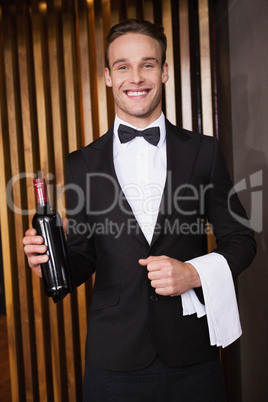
<point x="136" y="76"/>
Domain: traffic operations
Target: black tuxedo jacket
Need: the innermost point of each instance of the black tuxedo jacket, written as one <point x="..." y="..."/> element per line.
<point x="128" y="323"/>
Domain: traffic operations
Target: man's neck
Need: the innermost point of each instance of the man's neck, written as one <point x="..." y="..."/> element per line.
<point x="139" y="122"/>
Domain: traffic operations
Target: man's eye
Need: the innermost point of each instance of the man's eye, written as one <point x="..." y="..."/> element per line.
<point x="122" y="68"/>
<point x="148" y="66"/>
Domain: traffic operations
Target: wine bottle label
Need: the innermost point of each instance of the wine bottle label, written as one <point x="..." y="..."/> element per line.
<point x="40" y="190"/>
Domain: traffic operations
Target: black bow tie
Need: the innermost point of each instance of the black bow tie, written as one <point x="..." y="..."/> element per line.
<point x="126" y="134"/>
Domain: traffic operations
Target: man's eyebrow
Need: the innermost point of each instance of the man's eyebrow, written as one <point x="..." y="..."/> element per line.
<point x="150" y="59"/>
<point x="119" y="61"/>
<point x="143" y="59"/>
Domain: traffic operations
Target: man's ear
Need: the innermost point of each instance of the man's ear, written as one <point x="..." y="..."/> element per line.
<point x="165" y="75"/>
<point x="107" y="75"/>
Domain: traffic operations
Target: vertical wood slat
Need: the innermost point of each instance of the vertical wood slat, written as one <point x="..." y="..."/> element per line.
<point x="70" y="80"/>
<point x="101" y="87"/>
<point x="44" y="380"/>
<point x="12" y="319"/>
<point x="58" y="140"/>
<point x="29" y="128"/>
<point x="106" y="16"/>
<point x="206" y="85"/>
<point x="205" y="63"/>
<point x="7" y="249"/>
<point x="93" y="70"/>
<point x="115" y="12"/>
<point x="131" y="6"/>
<point x="63" y="103"/>
<point x="87" y="110"/>
<point x="87" y="137"/>
<point x="85" y="84"/>
<point x="170" y="85"/>
<point x="23" y="275"/>
<point x="185" y="65"/>
<point x="45" y="165"/>
<point x="73" y="135"/>
<point x="194" y="49"/>
<point x="148" y="10"/>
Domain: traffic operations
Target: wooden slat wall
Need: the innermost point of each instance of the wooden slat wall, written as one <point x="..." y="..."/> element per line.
<point x="53" y="100"/>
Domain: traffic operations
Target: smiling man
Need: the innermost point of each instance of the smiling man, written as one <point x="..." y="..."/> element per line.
<point x="161" y="305"/>
<point x="136" y="73"/>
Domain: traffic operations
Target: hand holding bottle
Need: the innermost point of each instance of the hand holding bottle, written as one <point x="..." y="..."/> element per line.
<point x="35" y="249"/>
<point x="48" y="236"/>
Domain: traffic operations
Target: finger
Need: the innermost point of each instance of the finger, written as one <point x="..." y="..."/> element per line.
<point x="164" y="265"/>
<point x="35" y="262"/>
<point x="161" y="283"/>
<point x="156" y="284"/>
<point x="152" y="258"/>
<point x="156" y="274"/>
<point x="30" y="232"/>
<point x="33" y="239"/>
<point x="154" y="266"/>
<point x="65" y="226"/>
<point x="64" y="223"/>
<point x="38" y="271"/>
<point x="35" y="249"/>
<point x="143" y="261"/>
<point x="35" y="265"/>
<point x="162" y="291"/>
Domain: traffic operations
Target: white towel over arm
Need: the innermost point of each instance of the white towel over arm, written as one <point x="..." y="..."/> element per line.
<point x="220" y="299"/>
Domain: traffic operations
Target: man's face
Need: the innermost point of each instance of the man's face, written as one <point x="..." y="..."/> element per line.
<point x="136" y="77"/>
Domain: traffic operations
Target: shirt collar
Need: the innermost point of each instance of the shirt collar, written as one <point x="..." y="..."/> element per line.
<point x="160" y="122"/>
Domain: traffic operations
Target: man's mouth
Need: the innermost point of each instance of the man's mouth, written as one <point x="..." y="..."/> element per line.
<point x="137" y="93"/>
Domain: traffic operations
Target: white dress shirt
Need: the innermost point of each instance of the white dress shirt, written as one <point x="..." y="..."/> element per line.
<point x="141" y="169"/>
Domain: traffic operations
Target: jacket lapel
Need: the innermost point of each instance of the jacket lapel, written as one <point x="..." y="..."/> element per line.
<point x="99" y="157"/>
<point x="182" y="150"/>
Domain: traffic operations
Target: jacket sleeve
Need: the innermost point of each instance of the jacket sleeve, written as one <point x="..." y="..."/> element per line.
<point x="80" y="244"/>
<point x="234" y="236"/>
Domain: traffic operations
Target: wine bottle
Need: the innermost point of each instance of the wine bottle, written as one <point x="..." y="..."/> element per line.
<point x="48" y="224"/>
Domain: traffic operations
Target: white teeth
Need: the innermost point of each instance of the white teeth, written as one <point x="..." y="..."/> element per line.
<point x="138" y="93"/>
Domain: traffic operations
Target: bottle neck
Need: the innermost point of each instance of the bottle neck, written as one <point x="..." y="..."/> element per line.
<point x="44" y="208"/>
<point x="41" y="194"/>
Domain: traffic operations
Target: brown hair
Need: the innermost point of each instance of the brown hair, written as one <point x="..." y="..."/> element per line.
<point x="135" y="26"/>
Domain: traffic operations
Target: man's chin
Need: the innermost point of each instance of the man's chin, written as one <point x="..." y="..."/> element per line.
<point x="142" y="113"/>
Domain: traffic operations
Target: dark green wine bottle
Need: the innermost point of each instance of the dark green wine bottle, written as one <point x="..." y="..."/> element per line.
<point x="48" y="224"/>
